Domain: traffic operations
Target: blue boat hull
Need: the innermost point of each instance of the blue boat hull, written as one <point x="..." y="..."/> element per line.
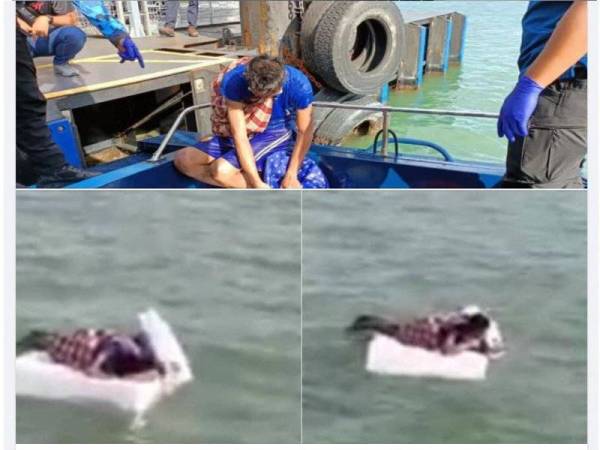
<point x="345" y="168"/>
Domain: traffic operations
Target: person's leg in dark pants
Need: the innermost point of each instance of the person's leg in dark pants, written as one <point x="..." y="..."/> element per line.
<point x="33" y="135"/>
<point x="552" y="154"/>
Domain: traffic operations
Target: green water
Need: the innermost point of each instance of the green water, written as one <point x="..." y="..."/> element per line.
<point x="223" y="269"/>
<point x="521" y="255"/>
<point x="481" y="83"/>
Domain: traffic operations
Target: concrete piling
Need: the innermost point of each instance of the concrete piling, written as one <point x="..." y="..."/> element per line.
<point x="438" y="44"/>
<point x="459" y="34"/>
<point x="410" y="73"/>
<point x="433" y="42"/>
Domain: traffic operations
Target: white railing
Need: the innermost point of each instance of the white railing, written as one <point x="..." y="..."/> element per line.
<point x="144" y="17"/>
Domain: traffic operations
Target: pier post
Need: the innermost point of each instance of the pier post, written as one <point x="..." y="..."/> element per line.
<point x="459" y="32"/>
<point x="438" y="47"/>
<point x="263" y="24"/>
<point x="410" y="73"/>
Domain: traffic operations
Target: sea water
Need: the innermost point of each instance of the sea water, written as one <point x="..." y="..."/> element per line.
<point x="522" y="256"/>
<point x="483" y="80"/>
<point x="222" y="268"/>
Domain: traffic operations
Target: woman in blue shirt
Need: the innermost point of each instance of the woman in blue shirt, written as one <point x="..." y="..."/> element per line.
<point x="260" y="107"/>
<point x="545" y="116"/>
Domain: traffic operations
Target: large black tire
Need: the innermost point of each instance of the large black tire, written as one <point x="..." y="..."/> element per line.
<point x="329" y="96"/>
<point x="355" y="46"/>
<point x="313" y="15"/>
<point x="341" y="123"/>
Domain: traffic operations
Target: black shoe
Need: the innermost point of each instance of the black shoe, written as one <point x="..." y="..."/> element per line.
<point x="67" y="174"/>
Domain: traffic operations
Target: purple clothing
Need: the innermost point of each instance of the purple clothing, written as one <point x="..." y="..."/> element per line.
<point x="263" y="145"/>
<point x="121" y="354"/>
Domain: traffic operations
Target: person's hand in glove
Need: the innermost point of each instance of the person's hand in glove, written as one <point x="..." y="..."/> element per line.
<point x="518" y="109"/>
<point x="128" y="51"/>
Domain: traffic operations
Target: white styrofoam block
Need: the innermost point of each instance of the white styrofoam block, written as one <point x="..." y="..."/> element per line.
<point x="39" y="377"/>
<point x="387" y="356"/>
<point x="167" y="348"/>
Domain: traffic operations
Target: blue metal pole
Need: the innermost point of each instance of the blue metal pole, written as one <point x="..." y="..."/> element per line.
<point x="422" y="50"/>
<point x="384" y="94"/>
<point x="446" y="56"/>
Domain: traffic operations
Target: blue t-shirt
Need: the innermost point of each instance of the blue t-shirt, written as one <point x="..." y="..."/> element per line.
<point x="539" y="23"/>
<point x="296" y="94"/>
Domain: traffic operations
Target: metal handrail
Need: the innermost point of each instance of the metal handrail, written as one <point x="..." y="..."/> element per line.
<point x="393" y="139"/>
<point x="386" y="110"/>
<point x="161" y="148"/>
<point x="417" y="142"/>
<point x="392" y="109"/>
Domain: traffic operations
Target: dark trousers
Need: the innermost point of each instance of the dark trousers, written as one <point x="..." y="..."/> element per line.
<point x="36" y="151"/>
<point x="552" y="154"/>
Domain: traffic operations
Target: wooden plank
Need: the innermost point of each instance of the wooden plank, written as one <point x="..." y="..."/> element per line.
<point x="134" y="79"/>
<point x="182" y="58"/>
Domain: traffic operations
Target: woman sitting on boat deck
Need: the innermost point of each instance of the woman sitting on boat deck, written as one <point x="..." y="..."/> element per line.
<point x="255" y="101"/>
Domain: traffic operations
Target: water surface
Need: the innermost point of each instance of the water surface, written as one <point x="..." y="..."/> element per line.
<point x="222" y="267"/>
<point x="522" y="255"/>
<point x="485" y="77"/>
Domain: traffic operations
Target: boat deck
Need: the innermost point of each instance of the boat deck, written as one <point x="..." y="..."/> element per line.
<point x="169" y="61"/>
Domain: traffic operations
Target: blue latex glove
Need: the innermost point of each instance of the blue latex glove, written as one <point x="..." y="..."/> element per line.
<point x="518" y="109"/>
<point x="128" y="51"/>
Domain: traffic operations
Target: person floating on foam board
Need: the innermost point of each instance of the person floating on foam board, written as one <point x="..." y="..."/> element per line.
<point x="97" y="353"/>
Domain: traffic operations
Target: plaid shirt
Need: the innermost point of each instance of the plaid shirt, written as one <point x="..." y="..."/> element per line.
<point x="423" y="333"/>
<point x="258" y="115"/>
<point x="78" y="350"/>
<point x="428" y="332"/>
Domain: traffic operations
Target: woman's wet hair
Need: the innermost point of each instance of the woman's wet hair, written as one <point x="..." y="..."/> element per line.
<point x="475" y="326"/>
<point x="479" y="322"/>
<point x="265" y="75"/>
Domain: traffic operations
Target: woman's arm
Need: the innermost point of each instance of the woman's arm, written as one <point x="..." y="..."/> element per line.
<point x="237" y="121"/>
<point x="306" y="130"/>
<point x="95" y="370"/>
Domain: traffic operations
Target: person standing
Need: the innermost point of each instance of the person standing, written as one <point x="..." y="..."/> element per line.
<point x="545" y="116"/>
<point x="171" y="18"/>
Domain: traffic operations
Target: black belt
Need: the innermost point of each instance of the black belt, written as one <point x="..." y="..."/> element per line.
<point x="580" y="73"/>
